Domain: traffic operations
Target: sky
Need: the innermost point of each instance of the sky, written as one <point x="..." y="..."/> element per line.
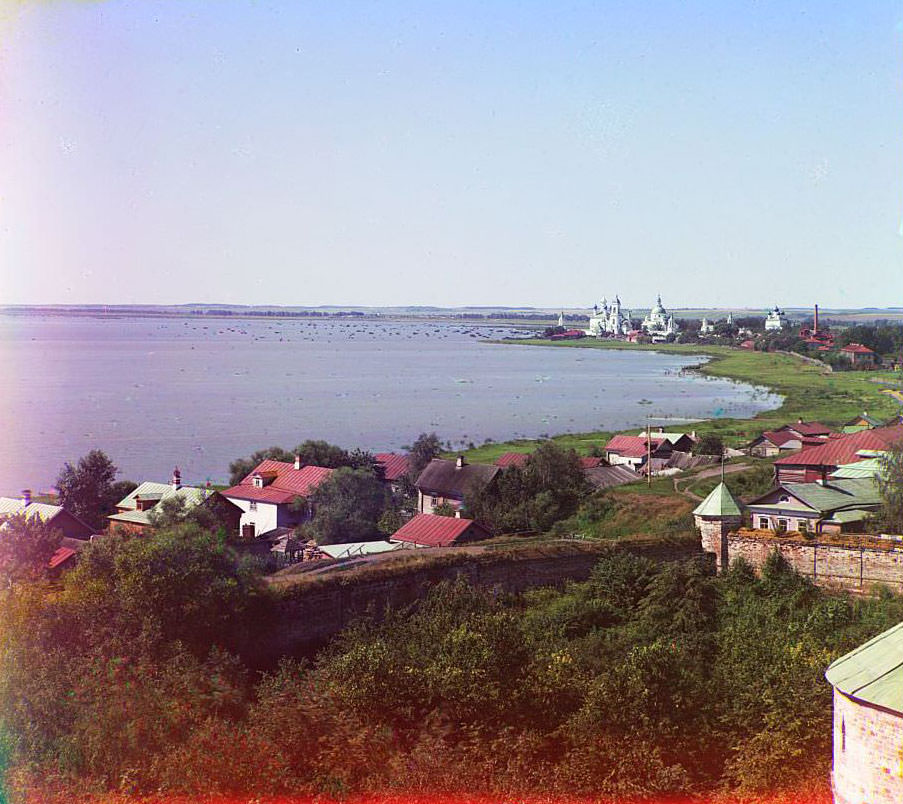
<point x="437" y="153"/>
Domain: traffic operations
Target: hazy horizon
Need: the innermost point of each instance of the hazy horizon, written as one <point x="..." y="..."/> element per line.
<point x="461" y="153"/>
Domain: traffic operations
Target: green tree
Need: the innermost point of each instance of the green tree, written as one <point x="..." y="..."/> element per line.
<point x="547" y="489"/>
<point x="426" y="447"/>
<point x="890" y="487"/>
<point x="88" y="490"/>
<point x="347" y="506"/>
<point x="709" y="444"/>
<point x="26" y="545"/>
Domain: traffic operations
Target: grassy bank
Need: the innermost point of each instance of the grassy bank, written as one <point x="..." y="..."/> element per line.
<point x="809" y="392"/>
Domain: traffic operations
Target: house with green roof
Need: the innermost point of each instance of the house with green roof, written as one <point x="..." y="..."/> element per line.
<point x="133" y="511"/>
<point x="868" y="721"/>
<point x="832" y="506"/>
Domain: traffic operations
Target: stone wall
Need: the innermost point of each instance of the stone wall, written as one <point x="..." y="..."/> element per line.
<point x="848" y="567"/>
<point x="868" y="753"/>
<point x="313" y="610"/>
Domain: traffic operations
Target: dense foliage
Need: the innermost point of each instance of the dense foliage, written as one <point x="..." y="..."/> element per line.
<point x="648" y="678"/>
<point x="548" y="488"/>
<point x="348" y="507"/>
<point x="89" y="489"/>
<point x="26" y="545"/>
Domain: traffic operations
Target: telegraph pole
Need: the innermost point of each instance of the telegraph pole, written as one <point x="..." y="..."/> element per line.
<point x="648" y="451"/>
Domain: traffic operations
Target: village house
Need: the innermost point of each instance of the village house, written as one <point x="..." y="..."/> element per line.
<point x="394" y="467"/>
<point x="864" y="421"/>
<point x="54" y="516"/>
<point x="607" y="477"/>
<point x="868" y="721"/>
<point x="133" y="511"/>
<point x="633" y="451"/>
<point x="507" y="459"/>
<point x="818" y="462"/>
<point x="446" y="482"/>
<point x="788" y="438"/>
<point x="859" y="355"/>
<point x="275" y="495"/>
<point x="429" y="530"/>
<point x="680" y="442"/>
<point x="834" y="506"/>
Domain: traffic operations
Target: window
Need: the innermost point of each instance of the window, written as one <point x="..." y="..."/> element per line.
<point x="802" y="526"/>
<point x="763" y="523"/>
<point x="253" y="505"/>
<point x="784" y="498"/>
<point x="782" y="525"/>
<point x="434" y="501"/>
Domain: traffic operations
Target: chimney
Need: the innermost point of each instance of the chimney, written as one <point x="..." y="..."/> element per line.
<point x="693" y="434"/>
<point x="176" y="481"/>
<point x="815" y="327"/>
<point x="26" y="496"/>
<point x="459" y="462"/>
<point x="297" y="462"/>
<point x="661" y="429"/>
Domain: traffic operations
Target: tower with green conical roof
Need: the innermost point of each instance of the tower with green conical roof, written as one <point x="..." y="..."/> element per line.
<point x="715" y="517"/>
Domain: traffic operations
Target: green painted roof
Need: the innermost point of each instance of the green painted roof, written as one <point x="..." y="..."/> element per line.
<point x="874" y="671"/>
<point x="836" y="494"/>
<point x="871" y="467"/>
<point x="720" y="502"/>
<point x="851" y="515"/>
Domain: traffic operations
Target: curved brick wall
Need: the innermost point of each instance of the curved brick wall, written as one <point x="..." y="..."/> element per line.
<point x="868" y="753"/>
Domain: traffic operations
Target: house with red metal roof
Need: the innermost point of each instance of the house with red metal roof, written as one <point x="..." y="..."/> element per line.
<point x="274" y="495"/>
<point x="789" y="438"/>
<point x="817" y="463"/>
<point x="507" y="459"/>
<point x="394" y="467"/>
<point x="431" y="530"/>
<point x="806" y="429"/>
<point x="633" y="451"/>
<point x="859" y="355"/>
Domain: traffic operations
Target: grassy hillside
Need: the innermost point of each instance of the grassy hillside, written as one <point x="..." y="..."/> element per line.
<point x="809" y="392"/>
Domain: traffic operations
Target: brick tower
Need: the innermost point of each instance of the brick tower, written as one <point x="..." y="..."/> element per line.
<point x="716" y="516"/>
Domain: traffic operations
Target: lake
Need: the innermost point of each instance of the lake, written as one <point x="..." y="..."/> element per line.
<point x="154" y="393"/>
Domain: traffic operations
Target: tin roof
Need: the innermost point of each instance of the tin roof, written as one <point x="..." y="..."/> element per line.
<point x="433" y="530"/>
<point x="873" y="672"/>
<point x="507" y="459"/>
<point x="286" y="484"/>
<point x="720" y="502"/>
<point x="394" y="465"/>
<point x="150" y="490"/>
<point x="634" y="446"/>
<point x="844" y="448"/>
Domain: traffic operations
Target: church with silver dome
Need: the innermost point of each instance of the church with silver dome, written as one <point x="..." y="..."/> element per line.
<point x="659" y="324"/>
<point x="613" y="319"/>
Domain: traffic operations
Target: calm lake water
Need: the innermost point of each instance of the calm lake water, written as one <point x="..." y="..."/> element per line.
<point x="156" y="393"/>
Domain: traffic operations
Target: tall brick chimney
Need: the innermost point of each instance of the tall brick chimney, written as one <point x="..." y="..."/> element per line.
<point x="176" y="481"/>
<point x="297" y="462"/>
<point x="26" y="496"/>
<point x="815" y="326"/>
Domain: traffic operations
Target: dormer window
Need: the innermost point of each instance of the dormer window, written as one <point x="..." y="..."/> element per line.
<point x="257" y="480"/>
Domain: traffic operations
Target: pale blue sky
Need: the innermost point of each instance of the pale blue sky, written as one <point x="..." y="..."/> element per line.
<point x="722" y="153"/>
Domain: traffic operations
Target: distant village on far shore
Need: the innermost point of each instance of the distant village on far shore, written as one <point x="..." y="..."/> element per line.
<point x="769" y="331"/>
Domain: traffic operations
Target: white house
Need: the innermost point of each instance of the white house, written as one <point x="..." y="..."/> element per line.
<point x="273" y="496"/>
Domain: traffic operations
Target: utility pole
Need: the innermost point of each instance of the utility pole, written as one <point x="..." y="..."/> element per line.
<point x="648" y="451"/>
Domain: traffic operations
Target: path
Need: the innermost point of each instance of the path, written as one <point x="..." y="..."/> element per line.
<point x="712" y="471"/>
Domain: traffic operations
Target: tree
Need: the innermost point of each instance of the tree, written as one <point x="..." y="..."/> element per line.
<point x="548" y="488"/>
<point x="347" y="506"/>
<point x="87" y="489"/>
<point x="421" y="452"/>
<point x="445" y="509"/>
<point x="709" y="444"/>
<point x="890" y="487"/>
<point x="26" y="545"/>
<point x="313" y="452"/>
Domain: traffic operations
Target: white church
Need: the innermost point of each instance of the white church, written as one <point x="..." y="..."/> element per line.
<point x="659" y="324"/>
<point x="612" y="319"/>
<point x="609" y="319"/>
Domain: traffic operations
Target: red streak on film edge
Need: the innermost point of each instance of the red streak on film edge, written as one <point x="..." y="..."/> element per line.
<point x="784" y="798"/>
